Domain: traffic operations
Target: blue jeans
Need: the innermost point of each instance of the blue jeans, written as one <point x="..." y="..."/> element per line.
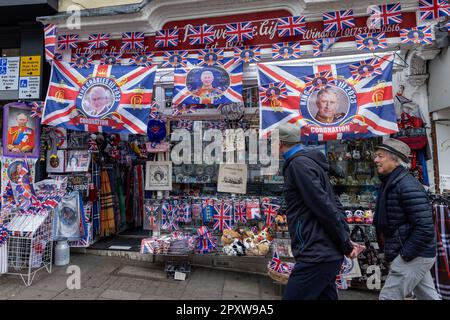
<point x="313" y="281"/>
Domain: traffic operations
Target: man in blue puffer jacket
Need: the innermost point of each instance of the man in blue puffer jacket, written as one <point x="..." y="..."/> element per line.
<point x="404" y="224"/>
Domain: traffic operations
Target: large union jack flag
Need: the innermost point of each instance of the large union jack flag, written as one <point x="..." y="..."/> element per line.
<point x="98" y="40"/>
<point x="338" y="20"/>
<point x="132" y="40"/>
<point x="208" y="85"/>
<point x="102" y="98"/>
<point x="387" y="14"/>
<point x="417" y="35"/>
<point x="433" y="9"/>
<point x="69" y="41"/>
<point x="223" y="216"/>
<point x="371" y="41"/>
<point x="166" y="38"/>
<point x="291" y="26"/>
<point x="201" y="35"/>
<point x="239" y="32"/>
<point x="362" y="108"/>
<point x="286" y="50"/>
<point x="50" y="41"/>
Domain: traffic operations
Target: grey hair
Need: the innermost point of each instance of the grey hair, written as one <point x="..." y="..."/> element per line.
<point x="399" y="160"/>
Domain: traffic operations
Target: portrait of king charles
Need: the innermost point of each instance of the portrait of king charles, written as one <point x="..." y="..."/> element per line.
<point x="21" y="137"/>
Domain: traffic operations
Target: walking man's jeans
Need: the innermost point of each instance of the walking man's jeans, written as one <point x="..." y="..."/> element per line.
<point x="313" y="281"/>
<point x="410" y="277"/>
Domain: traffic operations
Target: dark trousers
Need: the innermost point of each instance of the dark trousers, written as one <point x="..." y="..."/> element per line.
<point x="313" y="281"/>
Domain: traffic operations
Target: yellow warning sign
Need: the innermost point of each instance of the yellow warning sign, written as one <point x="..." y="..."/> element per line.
<point x="30" y="66"/>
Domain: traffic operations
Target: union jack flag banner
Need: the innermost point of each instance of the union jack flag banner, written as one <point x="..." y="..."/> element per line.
<point x="201" y="35"/>
<point x="360" y="108"/>
<point x="132" y="40"/>
<point x="166" y="38"/>
<point x="270" y="212"/>
<point x="98" y="40"/>
<point x="111" y="59"/>
<point x="50" y="41"/>
<point x="417" y="35"/>
<point x="223" y="216"/>
<point x="247" y="54"/>
<point x="175" y="59"/>
<point x="287" y="50"/>
<point x="323" y="45"/>
<point x="239" y="211"/>
<point x="208" y="85"/>
<point x="273" y="93"/>
<point x="433" y="9"/>
<point x="81" y="60"/>
<point x="169" y="217"/>
<point x="239" y="32"/>
<point x="67" y="42"/>
<point x="338" y="20"/>
<point x="101" y="98"/>
<point x="291" y="26"/>
<point x="210" y="57"/>
<point x="141" y="60"/>
<point x="371" y="41"/>
<point x="387" y="14"/>
<point x="366" y="68"/>
<point x="151" y="215"/>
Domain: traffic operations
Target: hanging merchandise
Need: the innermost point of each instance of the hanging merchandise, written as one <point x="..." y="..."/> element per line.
<point x="205" y="242"/>
<point x="441" y="269"/>
<point x="107" y="223"/>
<point x="240" y="216"/>
<point x="156" y="131"/>
<point x="169" y="220"/>
<point x="69" y="217"/>
<point x="3" y="249"/>
<point x="253" y="209"/>
<point x="223" y="215"/>
<point x="208" y="210"/>
<point x="94" y="189"/>
<point x="138" y="200"/>
<point x="270" y="212"/>
<point x="152" y="216"/>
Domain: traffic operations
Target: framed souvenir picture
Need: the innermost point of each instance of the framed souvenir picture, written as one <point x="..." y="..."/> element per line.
<point x="20" y="131"/>
<point x="56" y="162"/>
<point x="78" y="161"/>
<point x="158" y="175"/>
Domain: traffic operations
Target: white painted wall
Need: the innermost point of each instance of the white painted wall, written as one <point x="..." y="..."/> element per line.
<point x="439" y="82"/>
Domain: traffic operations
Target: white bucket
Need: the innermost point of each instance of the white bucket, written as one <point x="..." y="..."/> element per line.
<point x="62" y="252"/>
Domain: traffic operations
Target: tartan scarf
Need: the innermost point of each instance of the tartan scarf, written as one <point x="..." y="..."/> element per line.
<point x="107" y="210"/>
<point x="441" y="269"/>
<point x="96" y="204"/>
<point x="138" y="205"/>
<point x="115" y="197"/>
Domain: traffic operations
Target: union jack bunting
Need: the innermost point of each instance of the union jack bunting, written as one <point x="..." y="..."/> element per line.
<point x="387" y="14"/>
<point x="81" y="60"/>
<point x="50" y="41"/>
<point x="141" y="60"/>
<point x="270" y="212"/>
<point x="210" y="57"/>
<point x="175" y="59"/>
<point x="185" y="124"/>
<point x="239" y="212"/>
<point x="247" y="54"/>
<point x="287" y="50"/>
<point x="111" y="59"/>
<point x="166" y="38"/>
<point x="126" y="97"/>
<point x="433" y="9"/>
<point x="68" y="41"/>
<point x="207" y="85"/>
<point x="291" y="26"/>
<point x="132" y="40"/>
<point x="98" y="40"/>
<point x="366" y="68"/>
<point x="201" y="35"/>
<point x="323" y="45"/>
<point x="275" y="263"/>
<point x="417" y="35"/>
<point x="239" y="32"/>
<point x="215" y="125"/>
<point x="169" y="217"/>
<point x="338" y="20"/>
<point x="368" y="109"/>
<point x="271" y="94"/>
<point x="371" y="41"/>
<point x="223" y="216"/>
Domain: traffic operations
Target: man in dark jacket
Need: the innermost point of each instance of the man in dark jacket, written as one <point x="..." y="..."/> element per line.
<point x="404" y="224"/>
<point x="318" y="231"/>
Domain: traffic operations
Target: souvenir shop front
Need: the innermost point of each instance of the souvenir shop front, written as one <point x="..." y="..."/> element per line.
<point x="163" y="141"/>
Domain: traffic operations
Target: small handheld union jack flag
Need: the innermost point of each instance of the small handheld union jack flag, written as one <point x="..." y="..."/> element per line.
<point x="67" y="42"/>
<point x="166" y="38"/>
<point x="386" y="14"/>
<point x="239" y="32"/>
<point x="50" y="41"/>
<point x="141" y="60"/>
<point x="98" y="40"/>
<point x="201" y="35"/>
<point x="247" y="54"/>
<point x="291" y="26"/>
<point x="270" y="212"/>
<point x="36" y="109"/>
<point x="111" y="59"/>
<point x="174" y="59"/>
<point x="338" y="20"/>
<point x="239" y="212"/>
<point x="275" y="263"/>
<point x="132" y="40"/>
<point x="417" y="35"/>
<point x="286" y="50"/>
<point x="433" y="9"/>
<point x="81" y="60"/>
<point x="365" y="69"/>
<point x="371" y="41"/>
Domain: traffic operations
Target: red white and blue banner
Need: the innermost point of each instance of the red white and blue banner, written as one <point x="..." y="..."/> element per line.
<point x="217" y="84"/>
<point x="371" y="41"/>
<point x="102" y="98"/>
<point x="338" y="20"/>
<point x="50" y="41"/>
<point x="433" y="9"/>
<point x="418" y="35"/>
<point x="330" y="101"/>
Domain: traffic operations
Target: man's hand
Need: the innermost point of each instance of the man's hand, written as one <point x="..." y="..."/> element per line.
<point x="357" y="249"/>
